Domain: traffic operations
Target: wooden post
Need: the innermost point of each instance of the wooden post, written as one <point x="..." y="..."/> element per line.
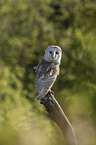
<point x="56" y="113"/>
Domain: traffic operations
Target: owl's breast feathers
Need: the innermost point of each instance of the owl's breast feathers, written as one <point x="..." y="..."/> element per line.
<point x="46" y="69"/>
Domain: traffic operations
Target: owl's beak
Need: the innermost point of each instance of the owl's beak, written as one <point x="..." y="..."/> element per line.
<point x="53" y="56"/>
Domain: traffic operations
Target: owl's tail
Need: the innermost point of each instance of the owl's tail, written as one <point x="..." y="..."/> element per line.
<point x="42" y="94"/>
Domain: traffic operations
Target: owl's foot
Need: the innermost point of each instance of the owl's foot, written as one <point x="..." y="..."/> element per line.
<point x="51" y="92"/>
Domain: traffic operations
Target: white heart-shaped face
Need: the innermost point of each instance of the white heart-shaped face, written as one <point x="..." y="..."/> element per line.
<point x="53" y="54"/>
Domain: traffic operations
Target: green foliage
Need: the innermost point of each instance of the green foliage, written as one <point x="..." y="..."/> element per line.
<point x="27" y="28"/>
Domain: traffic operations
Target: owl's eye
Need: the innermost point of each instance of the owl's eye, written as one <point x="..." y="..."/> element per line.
<point x="57" y="52"/>
<point x="50" y="52"/>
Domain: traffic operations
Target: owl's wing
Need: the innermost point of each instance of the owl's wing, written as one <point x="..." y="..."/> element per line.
<point x="36" y="67"/>
<point x="46" y="73"/>
<point x="42" y="71"/>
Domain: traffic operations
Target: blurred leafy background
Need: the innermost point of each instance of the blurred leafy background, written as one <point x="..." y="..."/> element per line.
<point x="27" y="28"/>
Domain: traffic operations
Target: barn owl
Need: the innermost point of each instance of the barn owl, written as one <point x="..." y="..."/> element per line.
<point x="47" y="71"/>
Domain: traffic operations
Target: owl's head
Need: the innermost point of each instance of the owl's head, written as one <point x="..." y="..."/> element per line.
<point x="53" y="54"/>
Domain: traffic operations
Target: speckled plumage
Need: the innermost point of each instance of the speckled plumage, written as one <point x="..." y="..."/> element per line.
<point x="47" y="71"/>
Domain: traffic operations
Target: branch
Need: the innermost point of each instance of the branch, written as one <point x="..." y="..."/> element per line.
<point x="56" y="113"/>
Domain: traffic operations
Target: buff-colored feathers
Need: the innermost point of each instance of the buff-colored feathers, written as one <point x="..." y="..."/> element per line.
<point x="47" y="71"/>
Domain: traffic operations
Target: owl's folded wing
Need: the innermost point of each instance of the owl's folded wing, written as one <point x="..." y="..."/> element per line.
<point x="43" y="71"/>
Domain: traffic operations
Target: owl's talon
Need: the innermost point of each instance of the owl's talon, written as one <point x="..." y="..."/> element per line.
<point x="50" y="91"/>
